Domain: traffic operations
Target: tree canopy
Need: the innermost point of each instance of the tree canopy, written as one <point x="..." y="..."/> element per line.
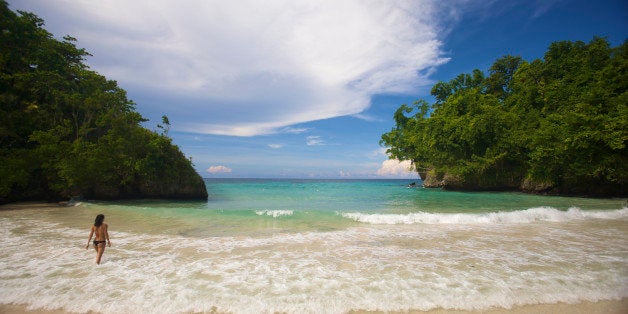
<point x="66" y="130"/>
<point x="553" y="125"/>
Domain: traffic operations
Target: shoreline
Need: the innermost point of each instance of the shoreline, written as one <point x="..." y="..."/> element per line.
<point x="223" y="256"/>
<point x="30" y="205"/>
<point x="586" y="307"/>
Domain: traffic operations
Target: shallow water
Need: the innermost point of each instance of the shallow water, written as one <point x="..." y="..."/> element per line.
<point x="304" y="246"/>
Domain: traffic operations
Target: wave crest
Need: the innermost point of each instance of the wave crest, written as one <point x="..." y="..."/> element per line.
<point x="274" y="213"/>
<point x="522" y="216"/>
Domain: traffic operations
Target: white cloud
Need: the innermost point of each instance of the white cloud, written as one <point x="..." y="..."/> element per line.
<point x="395" y="168"/>
<point x="292" y="130"/>
<point x="366" y="117"/>
<point x="219" y="169"/>
<point x="249" y="67"/>
<point x="314" y="140"/>
<point x="275" y="146"/>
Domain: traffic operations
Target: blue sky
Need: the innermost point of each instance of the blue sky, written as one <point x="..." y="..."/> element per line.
<point x="304" y="89"/>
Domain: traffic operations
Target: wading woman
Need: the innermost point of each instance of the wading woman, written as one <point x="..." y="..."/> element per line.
<point x="102" y="236"/>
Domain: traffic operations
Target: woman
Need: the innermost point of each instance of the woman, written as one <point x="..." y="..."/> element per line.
<point x="102" y="237"/>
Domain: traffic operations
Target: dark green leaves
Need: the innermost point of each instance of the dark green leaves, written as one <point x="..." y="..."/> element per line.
<point x="559" y="124"/>
<point x="66" y="130"/>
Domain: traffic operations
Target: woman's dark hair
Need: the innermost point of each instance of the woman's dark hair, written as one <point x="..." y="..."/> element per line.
<point x="99" y="220"/>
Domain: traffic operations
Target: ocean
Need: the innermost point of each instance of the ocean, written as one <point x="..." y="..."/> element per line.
<point x="318" y="246"/>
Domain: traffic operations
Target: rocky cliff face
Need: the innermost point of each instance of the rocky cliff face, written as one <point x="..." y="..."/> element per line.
<point x="185" y="185"/>
<point x="591" y="188"/>
<point x="455" y="182"/>
<point x="190" y="187"/>
<point x="432" y="180"/>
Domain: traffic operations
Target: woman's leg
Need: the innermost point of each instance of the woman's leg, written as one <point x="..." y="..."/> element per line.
<point x="99" y="250"/>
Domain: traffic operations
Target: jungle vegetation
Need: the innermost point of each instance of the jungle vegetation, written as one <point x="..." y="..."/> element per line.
<point x="556" y="125"/>
<point x="66" y="130"/>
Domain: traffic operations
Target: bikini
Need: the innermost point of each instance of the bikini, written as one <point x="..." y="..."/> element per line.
<point x="96" y="243"/>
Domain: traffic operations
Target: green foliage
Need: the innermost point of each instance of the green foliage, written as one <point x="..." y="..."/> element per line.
<point x="557" y="125"/>
<point x="66" y="130"/>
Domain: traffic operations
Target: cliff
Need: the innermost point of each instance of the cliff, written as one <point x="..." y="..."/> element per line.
<point x="554" y="125"/>
<point x="187" y="185"/>
<point x="190" y="187"/>
<point x="592" y="188"/>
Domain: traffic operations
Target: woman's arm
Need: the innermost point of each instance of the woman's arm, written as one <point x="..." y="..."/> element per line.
<point x="107" y="234"/>
<point x="91" y="233"/>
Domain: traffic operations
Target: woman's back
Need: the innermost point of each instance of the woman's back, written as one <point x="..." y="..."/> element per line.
<point x="100" y="231"/>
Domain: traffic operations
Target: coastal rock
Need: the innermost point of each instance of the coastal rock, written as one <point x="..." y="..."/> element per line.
<point x="189" y="187"/>
<point x="431" y="179"/>
<point x="450" y="181"/>
<point x="590" y="188"/>
<point x="434" y="179"/>
<point x="536" y="187"/>
<point x="186" y="184"/>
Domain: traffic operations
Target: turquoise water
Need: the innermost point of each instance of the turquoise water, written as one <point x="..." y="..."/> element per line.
<point x="317" y="246"/>
<point x="390" y="196"/>
<point x="263" y="206"/>
<point x="260" y="207"/>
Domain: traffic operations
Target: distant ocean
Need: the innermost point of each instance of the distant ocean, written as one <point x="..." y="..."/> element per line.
<point x="318" y="246"/>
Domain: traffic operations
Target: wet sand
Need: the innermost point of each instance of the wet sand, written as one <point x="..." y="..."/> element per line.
<point x="601" y="307"/>
<point x="31" y="205"/>
<point x="610" y="306"/>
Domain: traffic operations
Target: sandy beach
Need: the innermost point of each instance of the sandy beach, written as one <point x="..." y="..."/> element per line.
<point x="481" y="261"/>
<point x="601" y="307"/>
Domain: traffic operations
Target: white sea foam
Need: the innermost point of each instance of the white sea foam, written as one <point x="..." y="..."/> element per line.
<point x="523" y="216"/>
<point x="274" y="213"/>
<point x="384" y="267"/>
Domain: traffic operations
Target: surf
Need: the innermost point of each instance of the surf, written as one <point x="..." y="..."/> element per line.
<point x="548" y="214"/>
<point x="475" y="266"/>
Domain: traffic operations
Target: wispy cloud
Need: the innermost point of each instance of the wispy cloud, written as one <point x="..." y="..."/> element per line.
<point x="275" y="146"/>
<point x="249" y="67"/>
<point x="219" y="169"/>
<point x="543" y="6"/>
<point x="366" y="117"/>
<point x="314" y="140"/>
<point x="293" y="130"/>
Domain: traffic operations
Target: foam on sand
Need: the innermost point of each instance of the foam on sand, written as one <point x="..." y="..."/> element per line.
<point x="489" y="261"/>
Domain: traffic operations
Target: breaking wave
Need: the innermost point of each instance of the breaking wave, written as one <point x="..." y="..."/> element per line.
<point x="274" y="213"/>
<point x="523" y="216"/>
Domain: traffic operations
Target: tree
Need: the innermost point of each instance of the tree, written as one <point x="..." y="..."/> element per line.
<point x="66" y="130"/>
<point x="554" y="125"/>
